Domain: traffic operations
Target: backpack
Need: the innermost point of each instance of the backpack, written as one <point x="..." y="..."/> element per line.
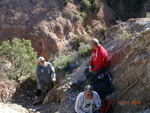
<point x="106" y="105"/>
<point x="102" y="84"/>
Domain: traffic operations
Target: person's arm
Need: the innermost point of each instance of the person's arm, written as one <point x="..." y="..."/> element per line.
<point x="53" y="75"/>
<point x="38" y="78"/>
<point x="100" y="61"/>
<point x="98" y="101"/>
<point x="91" y="62"/>
<point x="78" y="105"/>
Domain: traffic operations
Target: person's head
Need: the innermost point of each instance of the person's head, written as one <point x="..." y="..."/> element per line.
<point x="88" y="91"/>
<point x="94" y="43"/>
<point x="41" y="61"/>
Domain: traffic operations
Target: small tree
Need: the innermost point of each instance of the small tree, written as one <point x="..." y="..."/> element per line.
<point x="21" y="56"/>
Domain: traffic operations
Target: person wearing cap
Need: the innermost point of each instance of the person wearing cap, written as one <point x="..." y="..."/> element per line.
<point x="45" y="75"/>
<point x="98" y="63"/>
<point x="88" y="101"/>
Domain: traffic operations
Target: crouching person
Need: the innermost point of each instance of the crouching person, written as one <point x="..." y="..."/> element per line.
<point x="88" y="101"/>
<point x="45" y="76"/>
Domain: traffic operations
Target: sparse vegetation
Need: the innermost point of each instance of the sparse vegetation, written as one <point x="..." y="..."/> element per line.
<point x="84" y="49"/>
<point x="87" y="3"/>
<point x="126" y="35"/>
<point x="93" y="4"/>
<point x="96" y="7"/>
<point x="61" y="62"/>
<point x="65" y="2"/>
<point x="18" y="58"/>
<point x="104" y="31"/>
<point x="68" y="75"/>
<point x="148" y="14"/>
<point x="79" y="17"/>
<point x="77" y="40"/>
<point x="110" y="3"/>
<point x="88" y="27"/>
<point x="84" y="15"/>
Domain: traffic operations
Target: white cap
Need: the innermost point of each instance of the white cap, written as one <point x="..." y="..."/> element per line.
<point x="41" y="59"/>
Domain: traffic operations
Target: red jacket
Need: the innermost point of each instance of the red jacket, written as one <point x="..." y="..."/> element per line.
<point x="99" y="58"/>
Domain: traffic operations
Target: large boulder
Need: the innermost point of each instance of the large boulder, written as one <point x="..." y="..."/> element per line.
<point x="7" y="89"/>
<point x="12" y="108"/>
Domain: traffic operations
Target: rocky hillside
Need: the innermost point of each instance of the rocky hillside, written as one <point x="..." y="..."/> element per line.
<point x="51" y="24"/>
<point x="128" y="48"/>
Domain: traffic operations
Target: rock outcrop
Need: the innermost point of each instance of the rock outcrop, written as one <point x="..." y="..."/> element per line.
<point x="129" y="61"/>
<point x="7" y="89"/>
<point x="12" y="108"/>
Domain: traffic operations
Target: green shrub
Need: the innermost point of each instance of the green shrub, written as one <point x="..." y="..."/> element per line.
<point x="84" y="49"/>
<point x="110" y="3"/>
<point x="148" y="14"/>
<point x="79" y="17"/>
<point x="95" y="7"/>
<point x="86" y="3"/>
<point x="67" y="75"/>
<point x="88" y="27"/>
<point x="125" y="35"/>
<point x="77" y="40"/>
<point x="65" y="2"/>
<point x="84" y="15"/>
<point x="61" y="62"/>
<point x="104" y="31"/>
<point x="22" y="57"/>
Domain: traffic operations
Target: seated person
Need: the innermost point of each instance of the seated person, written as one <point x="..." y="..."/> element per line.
<point x="99" y="62"/>
<point x="88" y="101"/>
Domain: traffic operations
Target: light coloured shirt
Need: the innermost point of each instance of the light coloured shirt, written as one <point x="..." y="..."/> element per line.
<point x="84" y="105"/>
<point x="45" y="74"/>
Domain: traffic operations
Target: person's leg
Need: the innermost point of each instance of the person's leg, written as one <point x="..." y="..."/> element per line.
<point x="96" y="111"/>
<point x="81" y="80"/>
<point x="38" y="93"/>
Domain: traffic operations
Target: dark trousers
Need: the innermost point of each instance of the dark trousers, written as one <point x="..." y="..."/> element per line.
<point x="96" y="111"/>
<point x="89" y="75"/>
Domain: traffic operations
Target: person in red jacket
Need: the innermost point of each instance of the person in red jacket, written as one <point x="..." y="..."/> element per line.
<point x="99" y="62"/>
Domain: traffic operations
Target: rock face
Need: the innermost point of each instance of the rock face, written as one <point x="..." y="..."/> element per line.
<point x="12" y="108"/>
<point x="47" y="23"/>
<point x="129" y="61"/>
<point x="7" y="89"/>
